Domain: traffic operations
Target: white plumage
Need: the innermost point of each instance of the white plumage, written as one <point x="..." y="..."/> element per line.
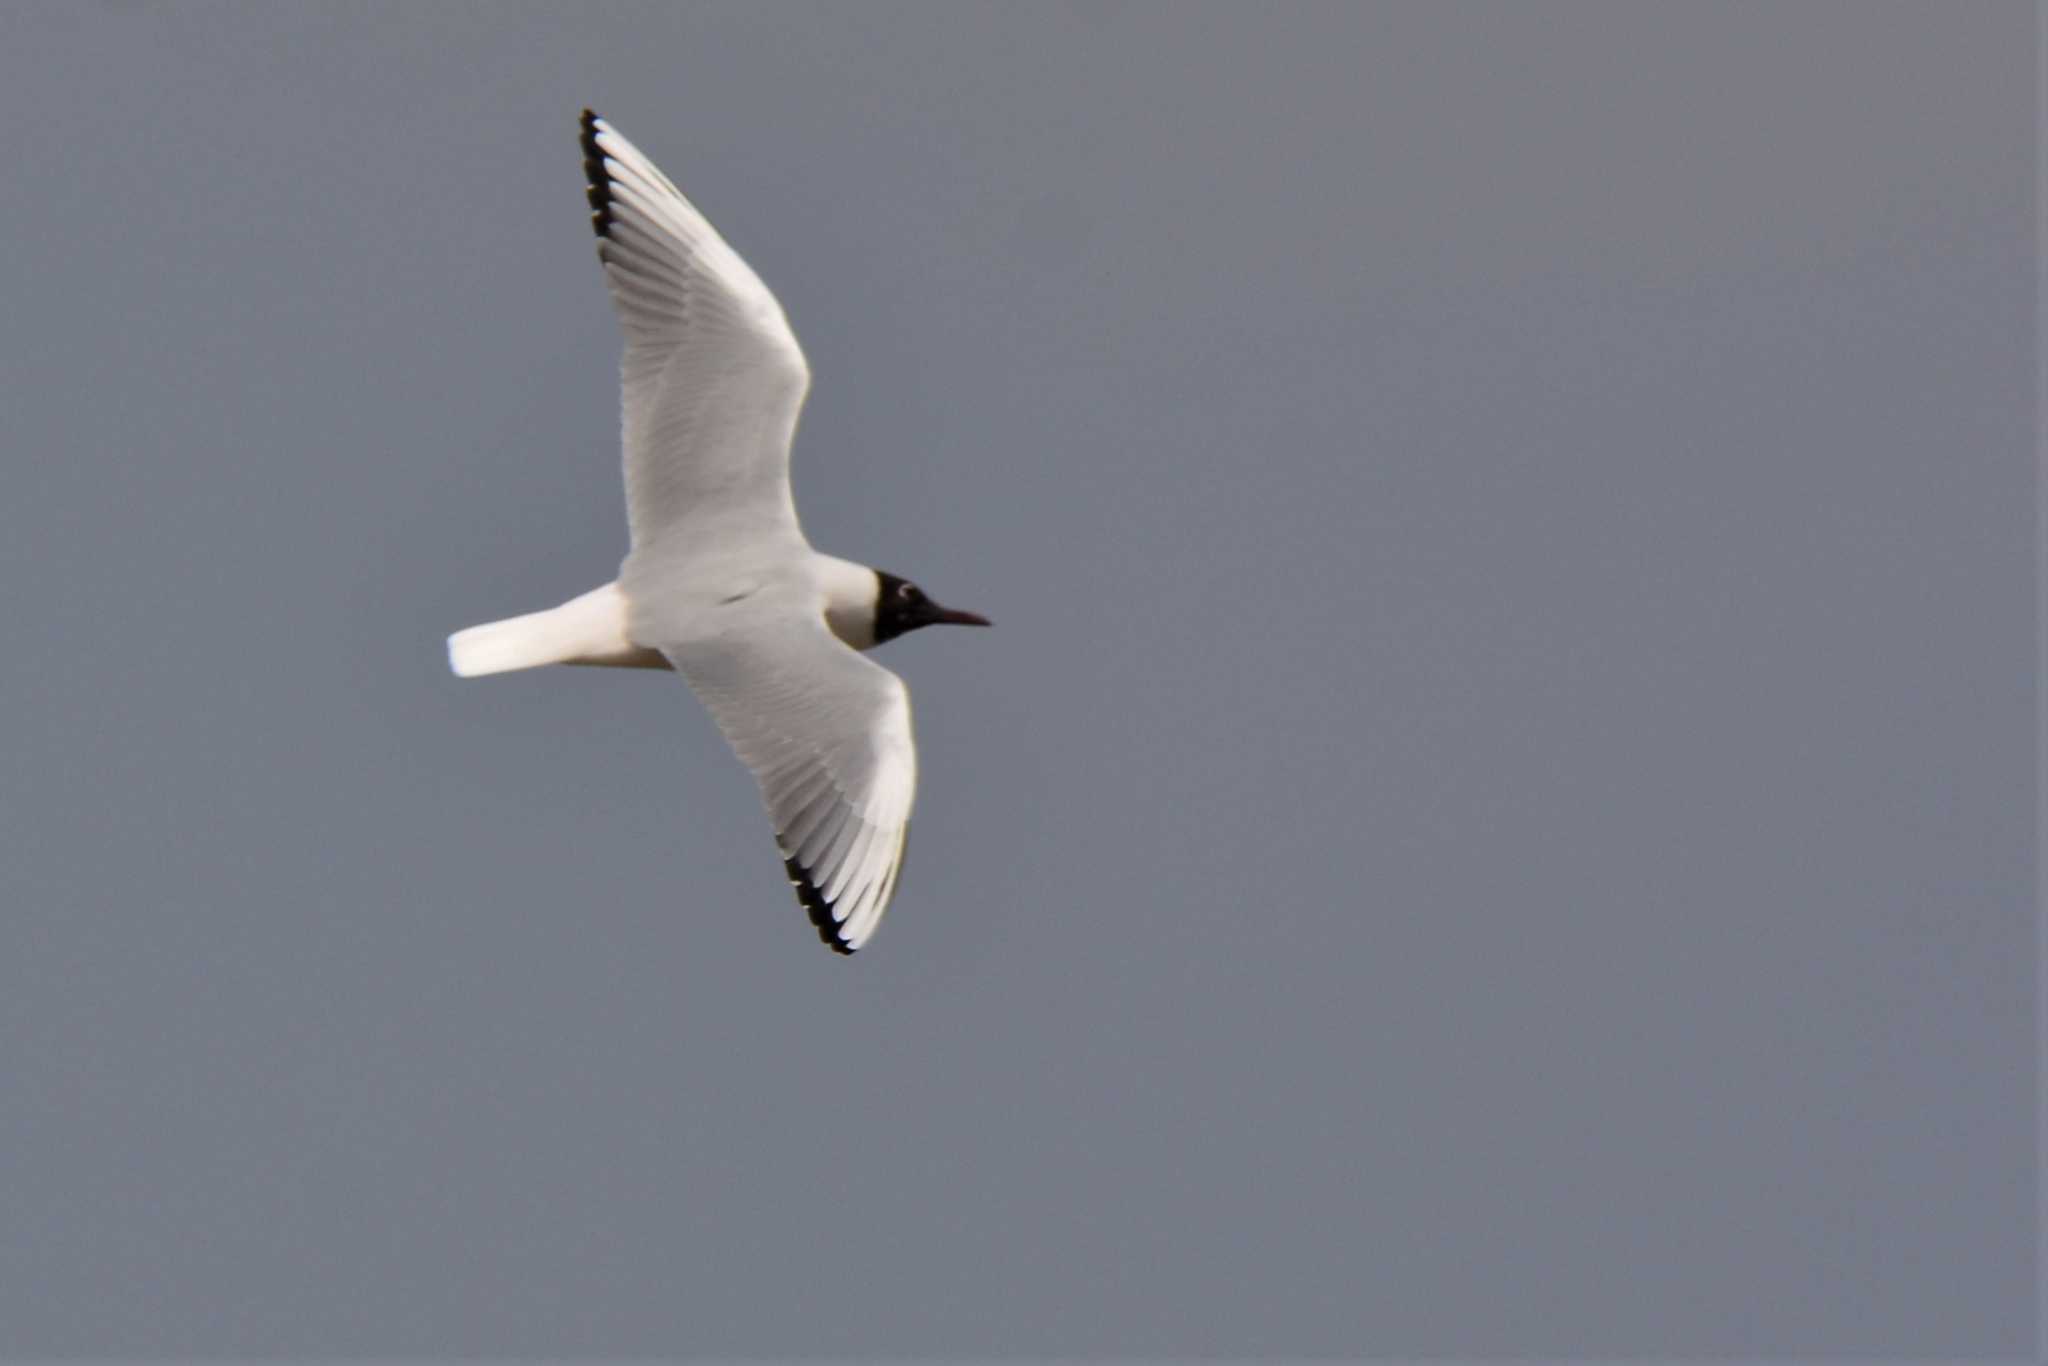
<point x="720" y="583"/>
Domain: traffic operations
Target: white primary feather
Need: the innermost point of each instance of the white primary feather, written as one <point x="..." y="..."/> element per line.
<point x="827" y="735"/>
<point x="713" y="378"/>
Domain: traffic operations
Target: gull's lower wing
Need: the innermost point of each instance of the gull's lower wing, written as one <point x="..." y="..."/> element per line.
<point x="826" y="732"/>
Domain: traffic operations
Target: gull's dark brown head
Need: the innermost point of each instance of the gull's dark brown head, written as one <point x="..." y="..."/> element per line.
<point x="902" y="606"/>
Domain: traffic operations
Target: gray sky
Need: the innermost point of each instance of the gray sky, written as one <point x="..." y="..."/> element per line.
<point x="1497" y="817"/>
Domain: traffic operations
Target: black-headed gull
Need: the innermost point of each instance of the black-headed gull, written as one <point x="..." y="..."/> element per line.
<point x="719" y="583"/>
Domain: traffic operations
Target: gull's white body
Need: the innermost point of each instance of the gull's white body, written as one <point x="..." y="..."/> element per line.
<point x="720" y="583"/>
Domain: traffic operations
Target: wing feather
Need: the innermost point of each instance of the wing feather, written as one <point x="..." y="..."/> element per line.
<point x="712" y="378"/>
<point x="827" y="733"/>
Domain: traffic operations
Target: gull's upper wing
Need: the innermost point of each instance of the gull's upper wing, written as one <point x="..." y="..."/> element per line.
<point x="827" y="733"/>
<point x="713" y="377"/>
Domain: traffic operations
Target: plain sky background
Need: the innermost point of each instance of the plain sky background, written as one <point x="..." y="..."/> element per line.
<point x="1497" y="818"/>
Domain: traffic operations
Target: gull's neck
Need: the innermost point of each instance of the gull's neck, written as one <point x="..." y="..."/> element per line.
<point x="851" y="592"/>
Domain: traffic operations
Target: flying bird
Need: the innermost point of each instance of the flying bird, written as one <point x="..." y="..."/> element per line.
<point x="719" y="583"/>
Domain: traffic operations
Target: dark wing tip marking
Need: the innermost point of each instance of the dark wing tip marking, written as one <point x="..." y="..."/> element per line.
<point x="598" y="184"/>
<point x="813" y="900"/>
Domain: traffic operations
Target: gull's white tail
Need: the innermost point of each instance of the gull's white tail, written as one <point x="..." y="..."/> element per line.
<point x="586" y="630"/>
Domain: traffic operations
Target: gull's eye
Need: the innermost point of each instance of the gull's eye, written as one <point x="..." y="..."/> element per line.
<point x="908" y="592"/>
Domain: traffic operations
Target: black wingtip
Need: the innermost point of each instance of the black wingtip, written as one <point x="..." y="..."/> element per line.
<point x="813" y="901"/>
<point x="597" y="184"/>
